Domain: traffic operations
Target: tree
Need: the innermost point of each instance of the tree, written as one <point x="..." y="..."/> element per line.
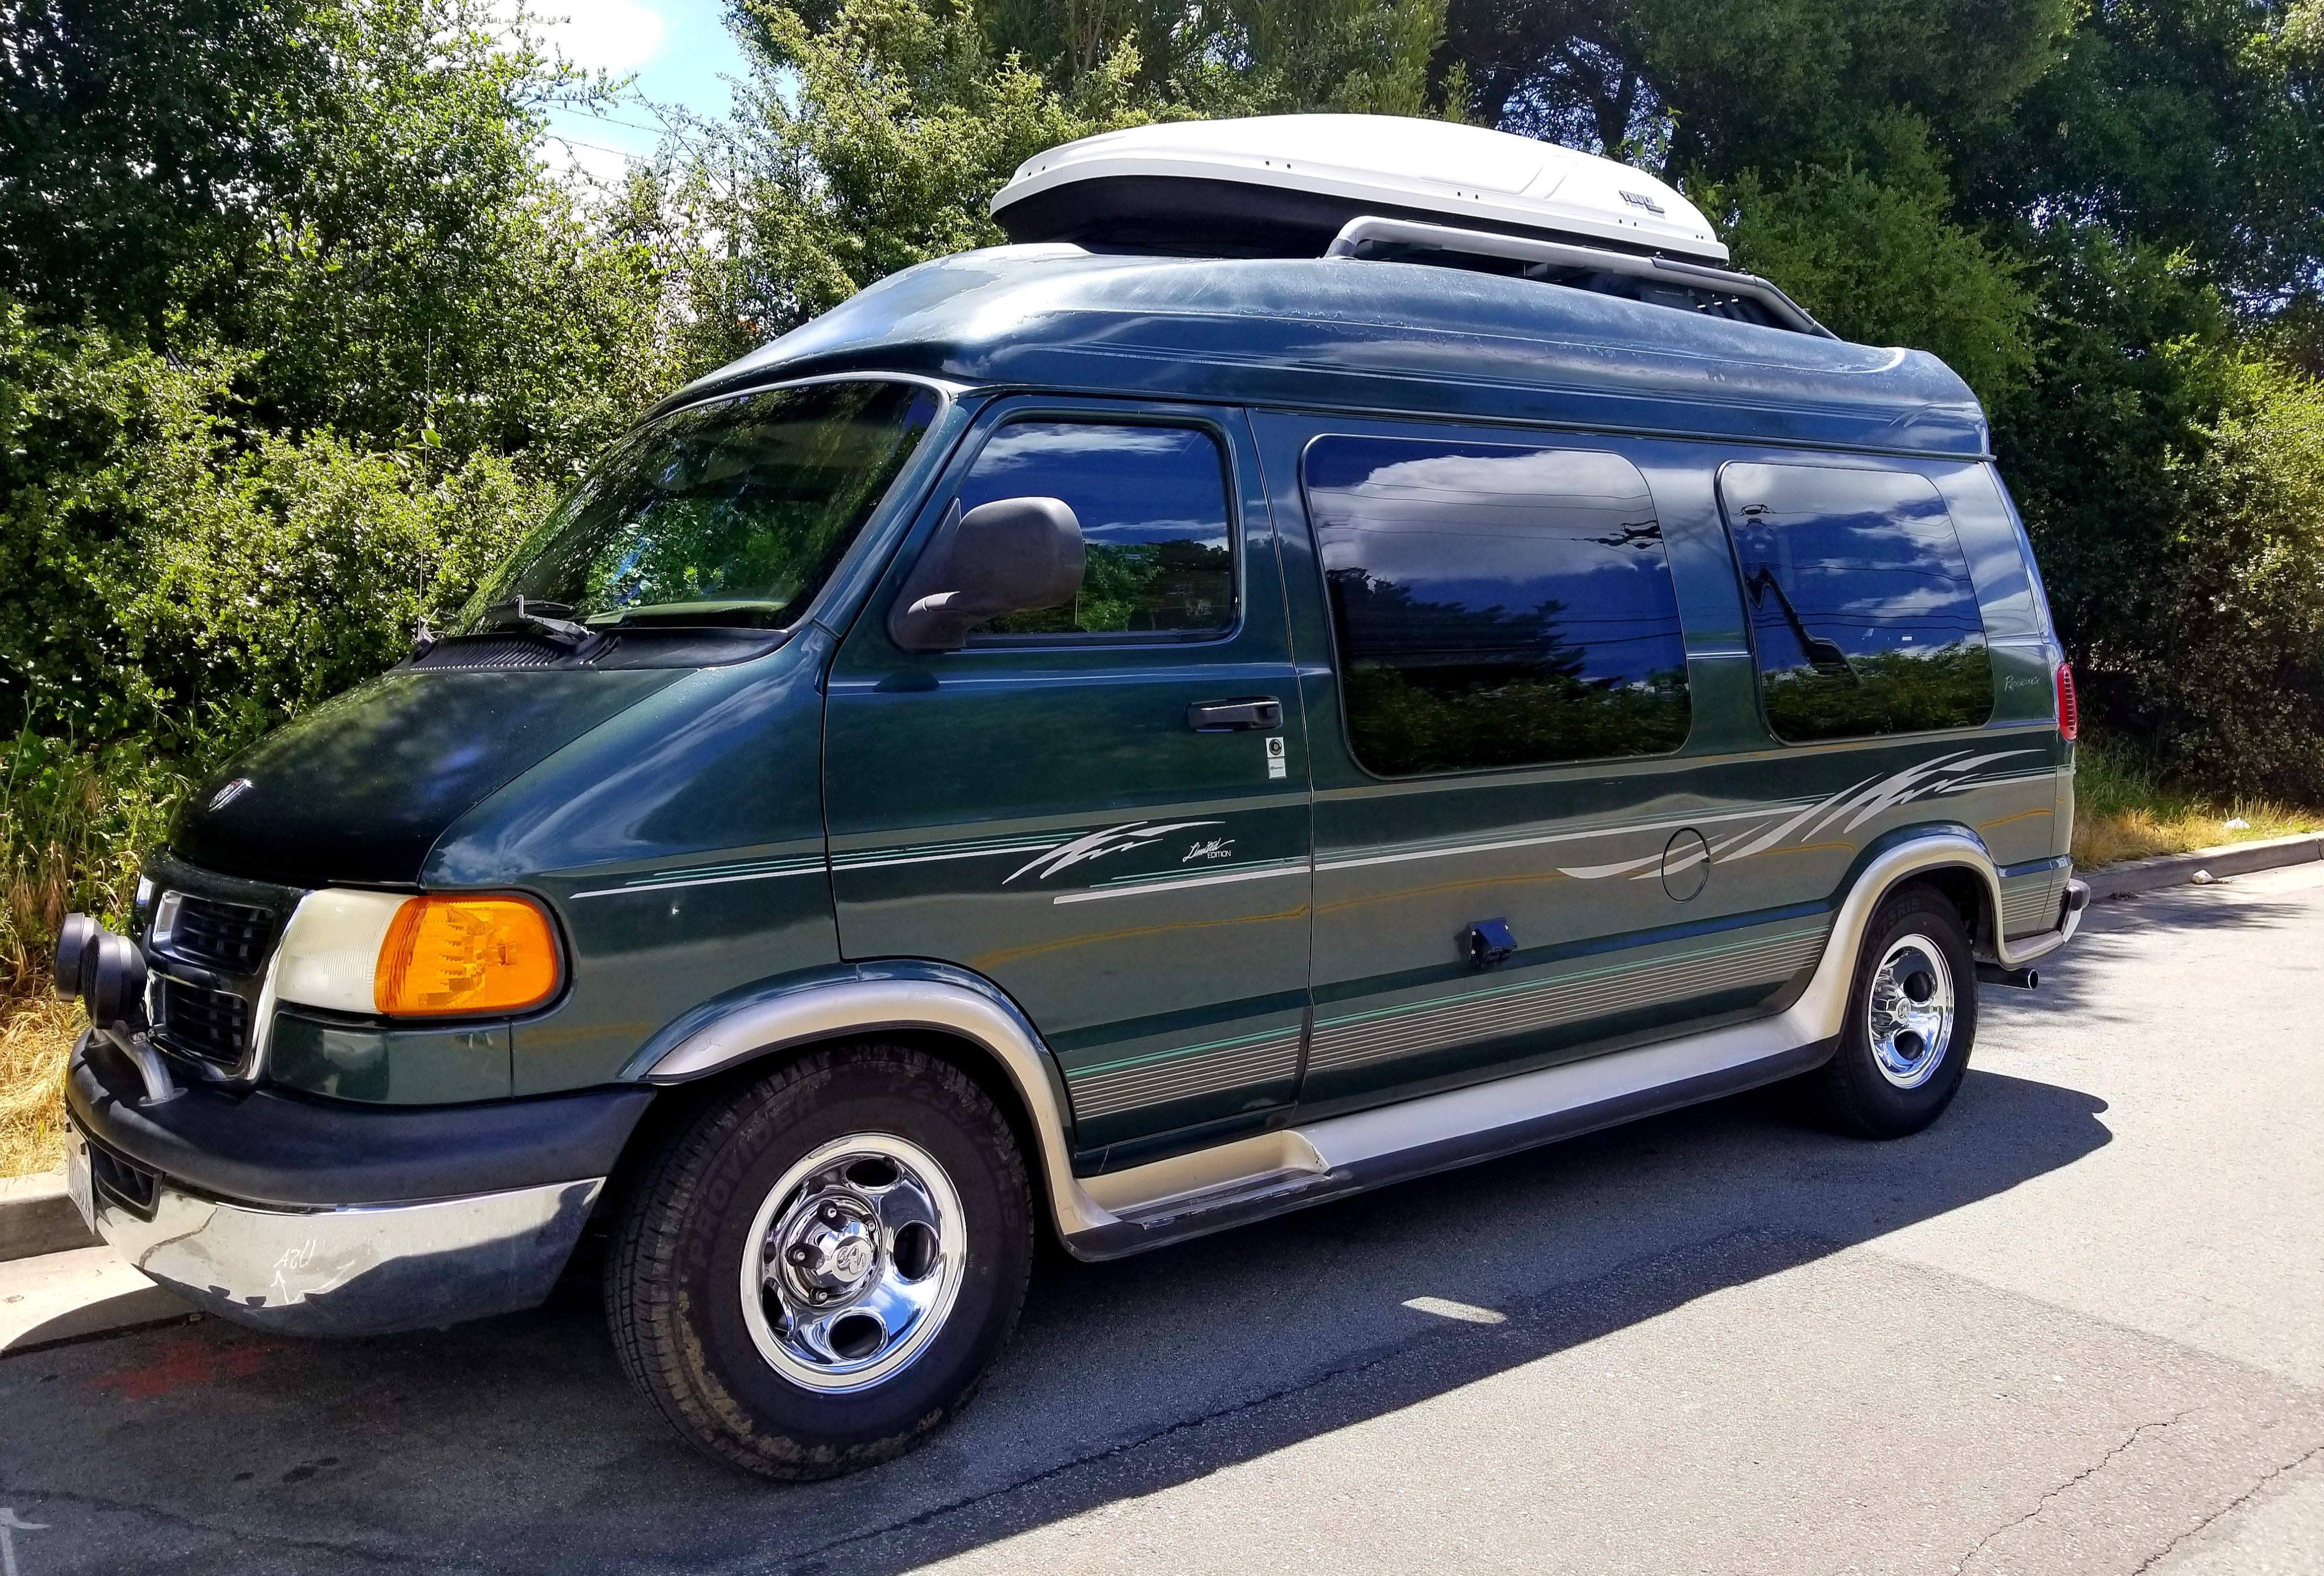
<point x="278" y="417"/>
<point x="1871" y="249"/>
<point x="863" y="148"/>
<point x="1718" y="87"/>
<point x="137" y="136"/>
<point x="2193" y="125"/>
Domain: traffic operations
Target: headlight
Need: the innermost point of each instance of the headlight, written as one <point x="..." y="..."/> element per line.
<point x="417" y="957"/>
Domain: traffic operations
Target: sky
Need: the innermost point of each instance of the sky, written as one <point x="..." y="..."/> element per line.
<point x="679" y="51"/>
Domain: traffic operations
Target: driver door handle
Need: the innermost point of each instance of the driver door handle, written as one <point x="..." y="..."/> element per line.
<point x="1261" y="713"/>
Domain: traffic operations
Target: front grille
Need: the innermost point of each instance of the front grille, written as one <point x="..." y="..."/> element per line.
<point x="208" y="1024"/>
<point x="122" y="1182"/>
<point x="232" y="936"/>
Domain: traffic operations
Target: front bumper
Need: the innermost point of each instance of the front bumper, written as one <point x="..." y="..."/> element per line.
<point x="395" y="1231"/>
<point x="363" y="1271"/>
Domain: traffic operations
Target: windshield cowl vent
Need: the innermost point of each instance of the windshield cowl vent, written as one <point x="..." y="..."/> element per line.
<point x="500" y="651"/>
<point x="507" y="652"/>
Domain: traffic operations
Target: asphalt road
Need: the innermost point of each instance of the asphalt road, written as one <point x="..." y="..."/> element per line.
<point x="2078" y="1326"/>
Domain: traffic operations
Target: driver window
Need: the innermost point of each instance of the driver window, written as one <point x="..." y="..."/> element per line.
<point x="1156" y="526"/>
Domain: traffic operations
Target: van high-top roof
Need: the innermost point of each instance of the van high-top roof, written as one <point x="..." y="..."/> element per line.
<point x="1363" y="334"/>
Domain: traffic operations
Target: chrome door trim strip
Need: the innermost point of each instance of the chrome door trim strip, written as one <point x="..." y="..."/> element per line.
<point x="1757" y="813"/>
<point x="1439" y="1131"/>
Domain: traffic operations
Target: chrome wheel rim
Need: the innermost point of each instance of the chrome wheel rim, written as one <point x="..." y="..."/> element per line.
<point x="1912" y="1011"/>
<point x="853" y="1262"/>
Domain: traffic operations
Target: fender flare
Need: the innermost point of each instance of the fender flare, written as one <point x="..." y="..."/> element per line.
<point x="834" y="1004"/>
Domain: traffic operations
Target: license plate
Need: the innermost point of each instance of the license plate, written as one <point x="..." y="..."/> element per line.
<point x="77" y="1179"/>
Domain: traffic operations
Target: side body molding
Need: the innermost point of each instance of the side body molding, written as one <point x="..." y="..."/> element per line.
<point x="1210" y="1190"/>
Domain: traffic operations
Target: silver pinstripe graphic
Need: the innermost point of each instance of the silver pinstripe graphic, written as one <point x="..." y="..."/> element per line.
<point x="1138" y="886"/>
<point x="715" y="875"/>
<point x="1366" y="1039"/>
<point x="1859" y="802"/>
<point x="1173" y="1076"/>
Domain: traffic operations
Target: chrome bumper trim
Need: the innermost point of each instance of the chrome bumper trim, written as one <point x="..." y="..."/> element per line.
<point x="367" y="1270"/>
<point x="2017" y="953"/>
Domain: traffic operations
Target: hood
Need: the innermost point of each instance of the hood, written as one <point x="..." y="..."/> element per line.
<point x="359" y="789"/>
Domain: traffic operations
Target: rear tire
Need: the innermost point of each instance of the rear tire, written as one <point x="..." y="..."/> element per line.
<point x="1912" y="1021"/>
<point x="877" y="1198"/>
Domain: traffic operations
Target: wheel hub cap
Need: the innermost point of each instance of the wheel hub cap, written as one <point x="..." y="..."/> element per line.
<point x="855" y="1261"/>
<point x="1912" y="1011"/>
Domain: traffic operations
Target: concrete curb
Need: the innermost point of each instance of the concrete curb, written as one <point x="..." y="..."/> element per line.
<point x="72" y="1296"/>
<point x="37" y="1217"/>
<point x="2176" y="870"/>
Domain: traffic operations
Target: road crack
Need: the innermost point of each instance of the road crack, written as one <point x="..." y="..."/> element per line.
<point x="2081" y="1477"/>
<point x="2237" y="1503"/>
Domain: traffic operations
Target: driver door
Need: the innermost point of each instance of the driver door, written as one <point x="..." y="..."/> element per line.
<point x="1101" y="807"/>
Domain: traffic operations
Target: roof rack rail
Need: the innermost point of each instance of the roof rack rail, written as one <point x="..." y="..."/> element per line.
<point x="1358" y="233"/>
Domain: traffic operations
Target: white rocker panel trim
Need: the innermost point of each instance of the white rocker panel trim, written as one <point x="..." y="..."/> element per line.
<point x="1095" y="1214"/>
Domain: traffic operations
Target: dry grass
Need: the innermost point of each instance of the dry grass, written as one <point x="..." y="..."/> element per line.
<point x="72" y="823"/>
<point x="2102" y="840"/>
<point x="2121" y="812"/>
<point x="35" y="1037"/>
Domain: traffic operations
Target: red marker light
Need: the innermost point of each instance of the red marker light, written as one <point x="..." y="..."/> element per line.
<point x="2070" y="716"/>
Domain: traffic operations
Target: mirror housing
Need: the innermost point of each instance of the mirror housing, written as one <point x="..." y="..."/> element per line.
<point x="1013" y="554"/>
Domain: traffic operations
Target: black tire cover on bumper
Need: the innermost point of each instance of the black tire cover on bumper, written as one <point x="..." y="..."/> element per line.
<point x="274" y="1149"/>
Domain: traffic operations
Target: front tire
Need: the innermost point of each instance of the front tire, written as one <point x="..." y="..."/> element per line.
<point x="815" y="1274"/>
<point x="1911" y="1021"/>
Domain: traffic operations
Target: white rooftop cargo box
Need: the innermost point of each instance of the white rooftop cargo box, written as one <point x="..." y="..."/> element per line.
<point x="1287" y="185"/>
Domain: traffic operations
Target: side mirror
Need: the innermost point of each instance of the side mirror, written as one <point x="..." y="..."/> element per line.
<point x="1013" y="554"/>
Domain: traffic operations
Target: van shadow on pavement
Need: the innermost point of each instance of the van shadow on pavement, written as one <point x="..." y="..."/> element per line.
<point x="516" y="1445"/>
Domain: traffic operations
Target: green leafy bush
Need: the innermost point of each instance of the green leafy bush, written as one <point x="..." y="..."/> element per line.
<point x="2228" y="659"/>
<point x="166" y="572"/>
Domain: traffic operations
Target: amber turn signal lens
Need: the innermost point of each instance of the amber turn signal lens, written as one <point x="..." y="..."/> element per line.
<point x="466" y="955"/>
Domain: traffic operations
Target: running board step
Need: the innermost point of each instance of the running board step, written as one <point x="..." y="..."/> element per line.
<point x="1272" y="1189"/>
<point x="1271" y="1173"/>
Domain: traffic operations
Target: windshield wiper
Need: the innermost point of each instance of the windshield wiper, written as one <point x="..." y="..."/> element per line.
<point x="564" y="632"/>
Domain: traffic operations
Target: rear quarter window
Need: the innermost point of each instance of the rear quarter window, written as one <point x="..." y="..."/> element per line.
<point x="1496" y="606"/>
<point x="1863" y="615"/>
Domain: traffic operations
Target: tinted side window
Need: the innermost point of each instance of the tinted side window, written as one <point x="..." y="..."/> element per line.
<point x="1152" y="503"/>
<point x="1861" y="607"/>
<point x="1496" y="606"/>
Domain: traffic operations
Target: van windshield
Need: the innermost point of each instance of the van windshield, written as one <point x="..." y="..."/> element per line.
<point x="731" y="513"/>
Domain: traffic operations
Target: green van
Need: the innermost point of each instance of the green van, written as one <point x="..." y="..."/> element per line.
<point x="1296" y="673"/>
